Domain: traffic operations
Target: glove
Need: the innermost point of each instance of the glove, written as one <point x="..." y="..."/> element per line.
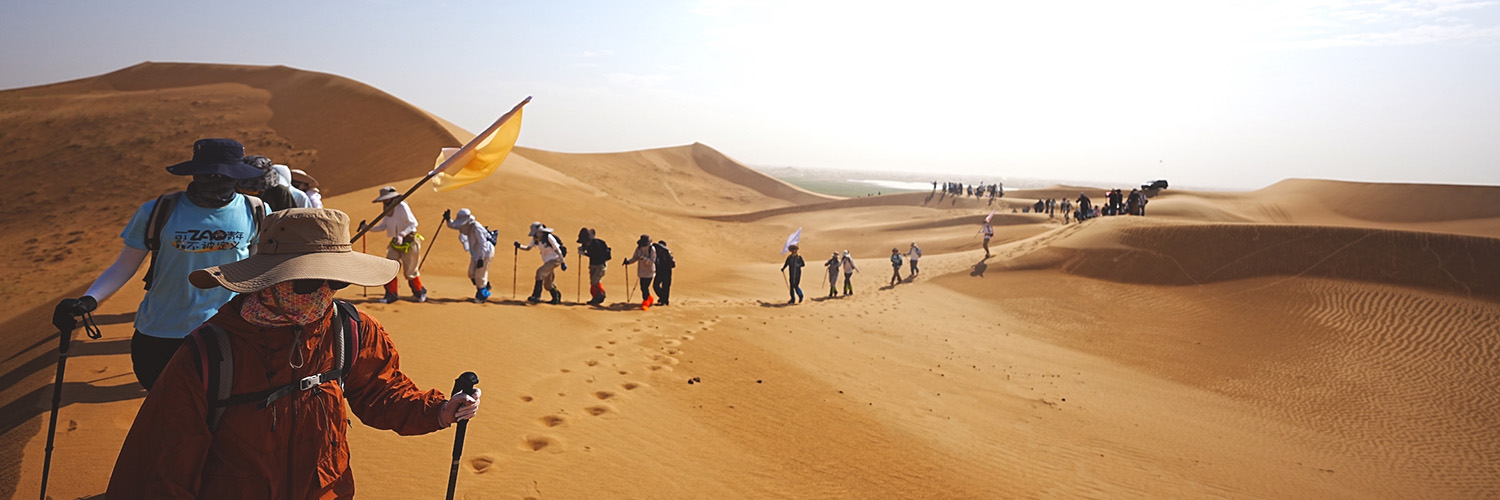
<point x="447" y="215"/>
<point x="461" y="407"/>
<point x="64" y="317"/>
<point x="565" y="266"/>
<point x="361" y="226"/>
<point x="516" y="243"/>
<point x="624" y="262"/>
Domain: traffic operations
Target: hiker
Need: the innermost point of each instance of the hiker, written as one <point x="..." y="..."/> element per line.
<point x="554" y="255"/>
<point x="989" y="232"/>
<point x="599" y="254"/>
<point x="253" y="405"/>
<point x="912" y="255"/>
<point x="895" y="266"/>
<point x="645" y="269"/>
<point x="664" y="265"/>
<point x="284" y="179"/>
<point x="309" y="185"/>
<point x="400" y="224"/>
<point x="266" y="186"/>
<point x="479" y="241"/>
<point x="833" y="275"/>
<point x="794" y="278"/>
<point x="205" y="225"/>
<point x="1085" y="206"/>
<point x="849" y="269"/>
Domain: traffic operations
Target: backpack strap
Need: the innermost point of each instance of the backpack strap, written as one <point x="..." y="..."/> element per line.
<point x="257" y="214"/>
<point x="217" y="364"/>
<point x="160" y="212"/>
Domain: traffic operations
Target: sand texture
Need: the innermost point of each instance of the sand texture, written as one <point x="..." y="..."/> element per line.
<point x="1312" y="339"/>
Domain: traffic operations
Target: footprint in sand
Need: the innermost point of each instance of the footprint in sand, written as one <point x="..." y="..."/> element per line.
<point x="603" y="395"/>
<point x="659" y="368"/>
<point x="526" y="399"/>
<point x="591" y="362"/>
<point x="688" y="337"/>
<point x="659" y="358"/>
<point x="552" y="420"/>
<point x="673" y="351"/>
<point x="600" y="410"/>
<point x="539" y="442"/>
<point x="671" y="342"/>
<point x="630" y="386"/>
<point x="481" y="464"/>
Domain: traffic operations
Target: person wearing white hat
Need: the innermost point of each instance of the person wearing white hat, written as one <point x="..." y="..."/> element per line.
<point x="554" y="254"/>
<point x="849" y="270"/>
<point x="480" y="243"/>
<point x="400" y="224"/>
<point x="309" y="185"/>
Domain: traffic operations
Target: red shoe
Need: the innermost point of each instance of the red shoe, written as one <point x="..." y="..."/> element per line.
<point x="647" y="304"/>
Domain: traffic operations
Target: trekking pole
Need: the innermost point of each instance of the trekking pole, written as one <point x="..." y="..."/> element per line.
<point x="66" y="339"/>
<point x="429" y="246"/>
<point x="578" y="290"/>
<point x="785" y="282"/>
<point x="464" y="384"/>
<point x="514" y="254"/>
<point x="628" y="289"/>
<point x="364" y="248"/>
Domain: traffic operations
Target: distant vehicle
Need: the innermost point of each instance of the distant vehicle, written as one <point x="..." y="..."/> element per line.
<point x="1156" y="184"/>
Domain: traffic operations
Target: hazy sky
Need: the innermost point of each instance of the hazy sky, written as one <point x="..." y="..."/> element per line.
<point x="1206" y="93"/>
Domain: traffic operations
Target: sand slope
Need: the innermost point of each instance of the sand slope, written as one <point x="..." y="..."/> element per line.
<point x="1290" y="342"/>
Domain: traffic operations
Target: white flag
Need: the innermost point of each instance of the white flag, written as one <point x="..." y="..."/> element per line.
<point x="791" y="240"/>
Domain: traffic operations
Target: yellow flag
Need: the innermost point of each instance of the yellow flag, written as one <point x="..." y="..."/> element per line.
<point x="479" y="158"/>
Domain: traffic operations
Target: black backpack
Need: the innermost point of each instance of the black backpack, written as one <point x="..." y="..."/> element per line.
<point x="663" y="257"/>
<point x="162" y="210"/>
<point x="216" y="364"/>
<point x="605" y="252"/>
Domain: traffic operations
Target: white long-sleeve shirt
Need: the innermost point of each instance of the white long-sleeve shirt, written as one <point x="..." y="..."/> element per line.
<point x="399" y="223"/>
<point x="474" y="237"/>
<point x="547" y="244"/>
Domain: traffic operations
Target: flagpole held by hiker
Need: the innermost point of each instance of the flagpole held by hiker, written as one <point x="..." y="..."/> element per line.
<point x="474" y="161"/>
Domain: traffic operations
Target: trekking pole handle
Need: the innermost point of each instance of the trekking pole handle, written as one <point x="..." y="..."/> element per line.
<point x="464" y="384"/>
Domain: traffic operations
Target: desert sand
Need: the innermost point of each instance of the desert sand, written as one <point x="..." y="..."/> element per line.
<point x="1311" y="339"/>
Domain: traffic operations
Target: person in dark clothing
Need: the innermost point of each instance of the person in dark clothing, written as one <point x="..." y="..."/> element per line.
<point x="833" y="266"/>
<point x="1085" y="205"/>
<point x="598" y="253"/>
<point x="268" y="186"/>
<point x="664" y="265"/>
<point x="794" y="278"/>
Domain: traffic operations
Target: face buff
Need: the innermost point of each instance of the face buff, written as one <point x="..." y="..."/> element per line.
<point x="211" y="191"/>
<point x="281" y="305"/>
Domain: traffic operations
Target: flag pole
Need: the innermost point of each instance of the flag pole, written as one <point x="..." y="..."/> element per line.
<point x="467" y="147"/>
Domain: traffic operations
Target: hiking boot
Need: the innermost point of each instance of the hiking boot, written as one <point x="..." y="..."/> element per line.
<point x="420" y="296"/>
<point x="663" y="303"/>
<point x="646" y="304"/>
<point x="556" y="297"/>
<point x="536" y="293"/>
<point x="390" y="298"/>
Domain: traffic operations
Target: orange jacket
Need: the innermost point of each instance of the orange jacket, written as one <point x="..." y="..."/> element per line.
<point x="296" y="447"/>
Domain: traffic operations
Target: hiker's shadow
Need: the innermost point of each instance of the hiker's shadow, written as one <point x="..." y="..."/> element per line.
<point x="777" y="304"/>
<point x="979" y="268"/>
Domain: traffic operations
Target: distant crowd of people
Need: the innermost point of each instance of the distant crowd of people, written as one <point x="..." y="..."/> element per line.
<point x="977" y="191"/>
<point x="843" y="263"/>
<point x="1116" y="203"/>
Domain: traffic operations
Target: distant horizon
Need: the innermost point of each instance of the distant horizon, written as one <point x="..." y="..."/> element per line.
<point x="1207" y="93"/>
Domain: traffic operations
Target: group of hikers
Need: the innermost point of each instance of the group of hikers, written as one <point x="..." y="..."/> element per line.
<point x="843" y="263"/>
<point x="981" y="190"/>
<point x="247" y="358"/>
<point x="1116" y="203"/>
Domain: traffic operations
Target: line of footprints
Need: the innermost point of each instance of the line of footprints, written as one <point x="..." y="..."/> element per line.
<point x="659" y="360"/>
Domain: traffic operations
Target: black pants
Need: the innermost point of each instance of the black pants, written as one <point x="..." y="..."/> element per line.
<point x="149" y="356"/>
<point x="663" y="285"/>
<point x="646" y="288"/>
<point x="794" y="280"/>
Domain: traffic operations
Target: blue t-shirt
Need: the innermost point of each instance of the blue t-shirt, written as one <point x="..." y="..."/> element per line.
<point x="193" y="238"/>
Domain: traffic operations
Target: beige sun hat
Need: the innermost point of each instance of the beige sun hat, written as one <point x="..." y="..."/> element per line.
<point x="298" y="175"/>
<point x="300" y="243"/>
<point x="387" y="193"/>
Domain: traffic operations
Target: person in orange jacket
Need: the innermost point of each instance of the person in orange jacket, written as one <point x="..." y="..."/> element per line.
<point x="281" y="432"/>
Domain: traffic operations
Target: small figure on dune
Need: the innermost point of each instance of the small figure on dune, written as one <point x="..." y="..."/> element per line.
<point x="554" y="255"/>
<point x="599" y="254"/>
<point x="400" y="224"/>
<point x="795" y="263"/>
<point x="833" y="266"/>
<point x="989" y="232"/>
<point x="912" y="255"/>
<point x="479" y="241"/>
<point x="645" y="269"/>
<point x="895" y="266"/>
<point x="664" y="265"/>
<point x="849" y="270"/>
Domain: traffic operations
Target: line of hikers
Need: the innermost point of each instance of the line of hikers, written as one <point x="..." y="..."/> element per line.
<point x="248" y="360"/>
<point x="1116" y="203"/>
<point x="843" y="264"/>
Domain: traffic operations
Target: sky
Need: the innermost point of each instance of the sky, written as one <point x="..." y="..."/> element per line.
<point x="1229" y="94"/>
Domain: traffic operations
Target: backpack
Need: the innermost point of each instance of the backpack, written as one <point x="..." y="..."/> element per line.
<point x="605" y="253"/>
<point x="162" y="210"/>
<point x="663" y="257"/>
<point x="492" y="235"/>
<point x="216" y="364"/>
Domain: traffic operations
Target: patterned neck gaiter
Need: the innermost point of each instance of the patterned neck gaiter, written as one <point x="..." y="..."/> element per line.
<point x="280" y="306"/>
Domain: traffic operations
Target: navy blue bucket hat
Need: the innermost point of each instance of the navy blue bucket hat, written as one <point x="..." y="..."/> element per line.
<point x="217" y="156"/>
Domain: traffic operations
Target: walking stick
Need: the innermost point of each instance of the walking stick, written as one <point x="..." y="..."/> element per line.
<point x="514" y="254"/>
<point x="364" y="248"/>
<point x="627" y="282"/>
<point x="62" y="363"/>
<point x="578" y="292"/>
<point x="463" y="385"/>
<point x="429" y="246"/>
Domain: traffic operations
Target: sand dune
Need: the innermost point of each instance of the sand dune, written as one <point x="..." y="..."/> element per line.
<point x="1297" y="332"/>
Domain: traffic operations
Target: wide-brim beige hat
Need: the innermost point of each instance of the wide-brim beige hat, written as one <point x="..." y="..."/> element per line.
<point x="387" y="193"/>
<point x="300" y="243"/>
<point x="299" y="175"/>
